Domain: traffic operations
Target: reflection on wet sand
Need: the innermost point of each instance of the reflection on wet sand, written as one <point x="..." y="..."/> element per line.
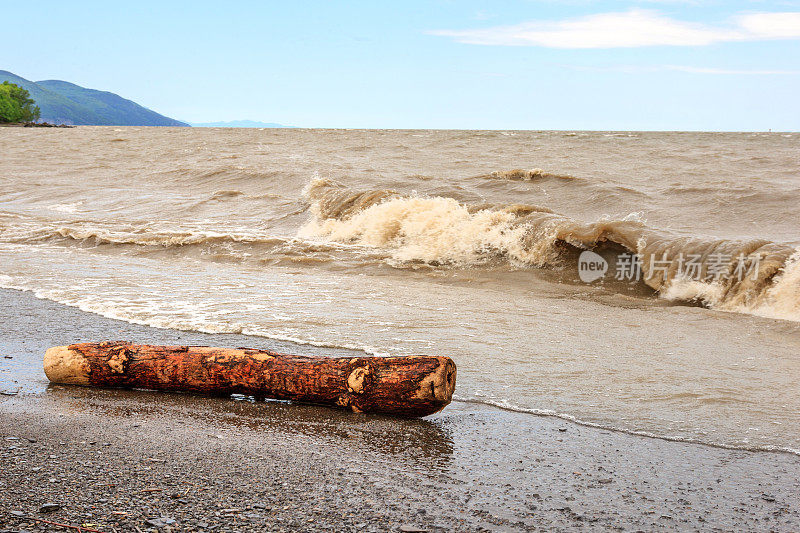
<point x="420" y="440"/>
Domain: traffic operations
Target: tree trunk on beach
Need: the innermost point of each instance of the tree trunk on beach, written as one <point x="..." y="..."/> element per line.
<point x="410" y="386"/>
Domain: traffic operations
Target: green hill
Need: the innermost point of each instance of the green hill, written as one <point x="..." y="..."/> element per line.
<point x="62" y="102"/>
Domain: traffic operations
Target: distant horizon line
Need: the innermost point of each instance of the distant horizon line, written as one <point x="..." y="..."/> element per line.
<point x="554" y="130"/>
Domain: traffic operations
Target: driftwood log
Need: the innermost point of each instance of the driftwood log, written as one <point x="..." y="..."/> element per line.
<point x="411" y="386"/>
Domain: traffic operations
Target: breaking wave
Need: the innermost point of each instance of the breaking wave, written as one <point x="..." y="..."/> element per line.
<point x="748" y="276"/>
<point x="527" y="175"/>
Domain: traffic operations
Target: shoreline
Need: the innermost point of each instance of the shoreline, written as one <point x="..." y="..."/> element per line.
<point x="295" y="346"/>
<point x="179" y="462"/>
<point x="33" y="125"/>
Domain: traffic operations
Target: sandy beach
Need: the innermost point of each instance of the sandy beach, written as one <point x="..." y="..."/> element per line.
<point x="122" y="460"/>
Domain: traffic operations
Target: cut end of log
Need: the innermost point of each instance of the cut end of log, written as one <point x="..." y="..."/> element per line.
<point x="440" y="384"/>
<point x="62" y="365"/>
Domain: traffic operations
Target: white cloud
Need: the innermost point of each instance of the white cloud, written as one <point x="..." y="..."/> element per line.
<point x="632" y="29"/>
<point x="770" y="25"/>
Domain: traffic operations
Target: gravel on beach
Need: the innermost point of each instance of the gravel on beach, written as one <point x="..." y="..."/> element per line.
<point x="115" y="460"/>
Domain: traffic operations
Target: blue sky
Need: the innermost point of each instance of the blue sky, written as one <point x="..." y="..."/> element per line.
<point x="538" y="64"/>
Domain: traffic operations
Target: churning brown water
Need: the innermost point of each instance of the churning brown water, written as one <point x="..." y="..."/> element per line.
<point x="436" y="242"/>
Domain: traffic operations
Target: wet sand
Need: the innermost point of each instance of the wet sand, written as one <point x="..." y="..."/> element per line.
<point x="118" y="459"/>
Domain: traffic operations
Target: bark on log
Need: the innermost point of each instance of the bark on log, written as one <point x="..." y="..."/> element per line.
<point x="411" y="386"/>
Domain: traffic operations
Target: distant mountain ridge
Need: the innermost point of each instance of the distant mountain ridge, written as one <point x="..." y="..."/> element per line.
<point x="62" y="102"/>
<point x="239" y="124"/>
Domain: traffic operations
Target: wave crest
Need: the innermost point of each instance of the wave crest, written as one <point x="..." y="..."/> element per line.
<point x="519" y="174"/>
<point x="751" y="276"/>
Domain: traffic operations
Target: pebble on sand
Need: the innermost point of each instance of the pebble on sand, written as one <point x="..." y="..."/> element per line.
<point x="49" y="507"/>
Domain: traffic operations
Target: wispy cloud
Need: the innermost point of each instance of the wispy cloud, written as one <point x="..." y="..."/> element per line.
<point x="633" y="28"/>
<point x="635" y="69"/>
<point x="745" y="72"/>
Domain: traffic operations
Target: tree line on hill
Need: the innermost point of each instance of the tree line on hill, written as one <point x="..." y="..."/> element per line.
<point x="16" y="104"/>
